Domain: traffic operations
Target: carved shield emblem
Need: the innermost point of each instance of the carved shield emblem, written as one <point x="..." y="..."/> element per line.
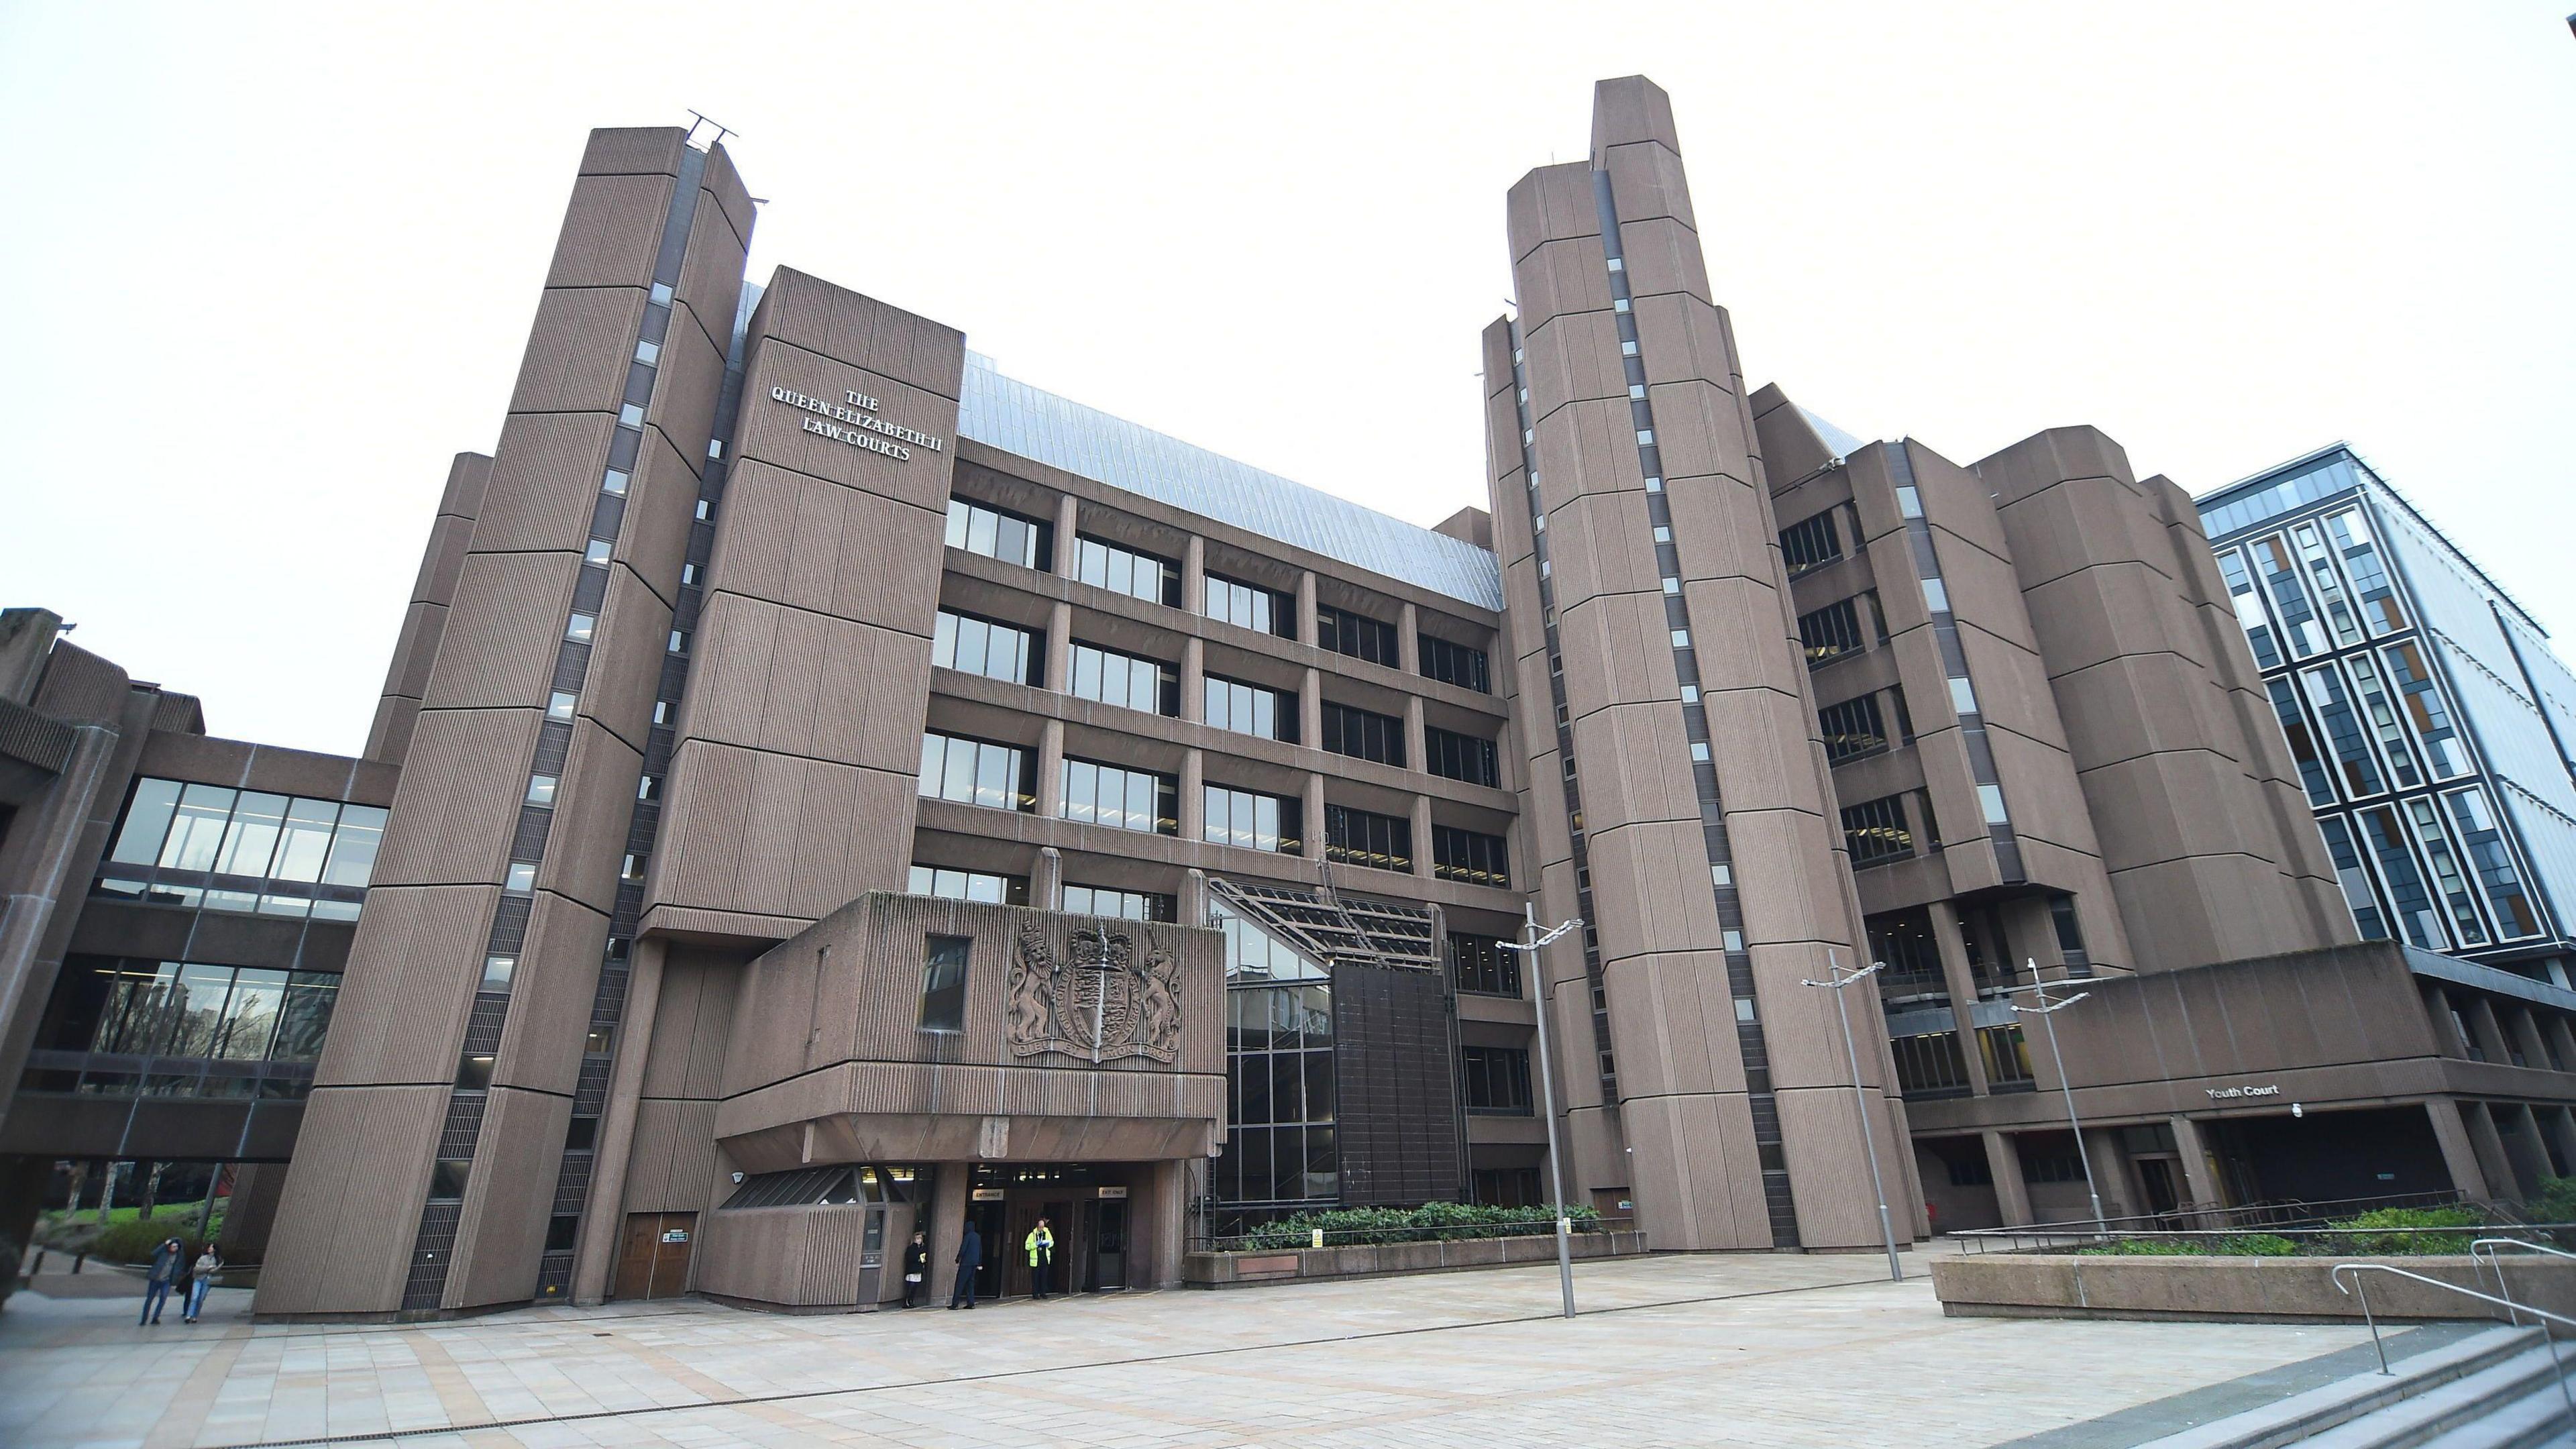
<point x="1091" y="998"/>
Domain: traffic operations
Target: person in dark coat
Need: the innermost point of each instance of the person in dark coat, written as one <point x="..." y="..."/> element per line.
<point x="970" y="1256"/>
<point x="167" y="1262"/>
<point x="916" y="1268"/>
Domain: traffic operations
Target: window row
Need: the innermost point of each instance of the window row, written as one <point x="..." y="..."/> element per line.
<point x="2319" y="585"/>
<point x="1479" y="964"/>
<point x="2379" y="724"/>
<point x="176" y="838"/>
<point x="948" y="883"/>
<point x="2434" y="869"/>
<point x="190" y="1009"/>
<point x="1858" y="728"/>
<point x="1495" y="1080"/>
<point x="1845" y="626"/>
<point x="1876" y="830"/>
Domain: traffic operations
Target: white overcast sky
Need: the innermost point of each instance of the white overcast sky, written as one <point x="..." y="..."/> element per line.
<point x="274" y="266"/>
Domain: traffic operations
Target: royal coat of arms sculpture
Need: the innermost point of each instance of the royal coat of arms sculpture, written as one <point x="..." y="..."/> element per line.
<point x="1094" y="999"/>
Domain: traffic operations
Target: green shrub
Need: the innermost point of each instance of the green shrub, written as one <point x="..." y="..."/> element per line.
<point x="2554" y="1203"/>
<point x="2399" y="1243"/>
<point x="133" y="1240"/>
<point x="2242" y="1245"/>
<point x="1431" y="1222"/>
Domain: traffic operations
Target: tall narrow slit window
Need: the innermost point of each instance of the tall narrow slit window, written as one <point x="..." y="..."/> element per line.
<point x="943" y="983"/>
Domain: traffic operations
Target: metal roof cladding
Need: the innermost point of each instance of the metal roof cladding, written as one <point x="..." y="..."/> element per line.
<point x="1017" y="418"/>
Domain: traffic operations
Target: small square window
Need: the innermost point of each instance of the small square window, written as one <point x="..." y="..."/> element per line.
<point x="1636" y="391"/>
<point x="447" y="1178"/>
<point x="688" y="573"/>
<point x="1936" y="596"/>
<point x="1663" y="534"/>
<point x="615" y="483"/>
<point x="661" y="711"/>
<point x="679" y="642"/>
<point x="648" y="353"/>
<point x="1654" y="484"/>
<point x="648" y="787"/>
<point x="631" y="415"/>
<point x="1672" y="586"/>
<point x="522" y="878"/>
<point x="715" y="447"/>
<point x="1620" y="305"/>
<point x="1720" y="875"/>
<point x="1909" y="502"/>
<point x="662" y="293"/>
<point x="541" y="790"/>
<point x="1744" y="1008"/>
<point x="1699" y="751"/>
<point x="1731" y="940"/>
<point x="1690" y="694"/>
<point x="474" y="1073"/>
<point x="1618" y="265"/>
<point x="1681" y="639"/>
<point x="598" y="552"/>
<point x="497" y="971"/>
<point x="1645" y="437"/>
<point x="1627" y="349"/>
<point x="705" y="510"/>
<point x="1516" y="357"/>
<point x="1963" y="697"/>
<point x="1991" y="799"/>
<point x="1528" y="436"/>
<point x="632" y="868"/>
<point x="580" y="628"/>
<point x="560" y="704"/>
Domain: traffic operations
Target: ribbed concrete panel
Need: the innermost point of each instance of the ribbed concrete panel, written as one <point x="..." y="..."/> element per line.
<point x="778" y="836"/>
<point x="502" y="632"/>
<point x="444" y="833"/>
<point x="633" y="150"/>
<point x="691" y="1024"/>
<point x="711" y="275"/>
<point x="1674" y="1020"/>
<point x="1650" y="893"/>
<point x="344" y="1227"/>
<point x="404" y="996"/>
<point x="1601" y="543"/>
<point x="792" y="682"/>
<point x="610" y="230"/>
<point x="551" y="992"/>
<point x="586" y="844"/>
<point x="503" y="1227"/>
<point x="692" y="371"/>
<point x="674" y="1159"/>
<point x="831" y="551"/>
<point x="578" y="351"/>
<point x="545" y="473"/>
<point x="1644" y="771"/>
<point x="626" y="657"/>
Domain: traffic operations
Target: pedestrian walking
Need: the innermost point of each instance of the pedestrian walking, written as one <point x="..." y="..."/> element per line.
<point x="970" y="1256"/>
<point x="916" y="1268"/>
<point x="201" y="1277"/>
<point x="1041" y="1245"/>
<point x="167" y="1261"/>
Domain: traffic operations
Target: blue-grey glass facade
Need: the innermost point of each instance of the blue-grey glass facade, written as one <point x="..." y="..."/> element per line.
<point x="2429" y="717"/>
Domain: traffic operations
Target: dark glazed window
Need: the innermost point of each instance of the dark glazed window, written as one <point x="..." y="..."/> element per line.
<point x="969" y="885"/>
<point x="1356" y="635"/>
<point x="1363" y="735"/>
<point x="1358" y="837"/>
<point x="1852" y="729"/>
<point x="1000" y="533"/>
<point x="1498" y="1083"/>
<point x="1253" y="820"/>
<point x="988" y="647"/>
<point x="1832" y="631"/>
<point x="1467" y="855"/>
<point x="1127" y="680"/>
<point x="1875" y="830"/>
<point x="1120" y="798"/>
<point x="1460" y="664"/>
<point x="978" y="772"/>
<point x="1929" y="1065"/>
<point x="1479" y="964"/>
<point x="1083" y="900"/>
<point x="1251" y="709"/>
<point x="1458" y="757"/>
<point x="1810" y="543"/>
<point x="943" y="983"/>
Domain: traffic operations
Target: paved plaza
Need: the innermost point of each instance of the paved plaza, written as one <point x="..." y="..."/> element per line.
<point x="1758" y="1350"/>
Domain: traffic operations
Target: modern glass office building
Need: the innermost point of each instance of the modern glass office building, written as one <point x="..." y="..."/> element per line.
<point x="2431" y="722"/>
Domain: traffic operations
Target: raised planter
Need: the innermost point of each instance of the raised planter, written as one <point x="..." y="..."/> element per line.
<point x="1242" y="1270"/>
<point x="2234" y="1290"/>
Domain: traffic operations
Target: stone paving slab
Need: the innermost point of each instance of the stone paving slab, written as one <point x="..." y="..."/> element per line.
<point x="1733" y="1350"/>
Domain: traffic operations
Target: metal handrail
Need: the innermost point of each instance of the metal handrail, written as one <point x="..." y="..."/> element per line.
<point x="2557" y="1366"/>
<point x="2488" y="1259"/>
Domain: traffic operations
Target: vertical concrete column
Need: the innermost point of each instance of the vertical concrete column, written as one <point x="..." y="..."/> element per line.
<point x="1314" y="817"/>
<point x="2112" y="1175"/>
<point x="2446" y="1025"/>
<point x="2199" y="1174"/>
<point x="2519" y="1133"/>
<point x="1046" y="891"/>
<point x="2012" y="1194"/>
<point x="1306" y="606"/>
<point x="2525" y="1036"/>
<point x="2561" y="1038"/>
<point x="1194" y="795"/>
<point x="1408" y="639"/>
<point x="2560" y="1124"/>
<point x="2482" y="1022"/>
<point x="1963" y="999"/>
<point x="1194" y="678"/>
<point x="1051" y="768"/>
<point x="1194" y="897"/>
<point x="947" y="1225"/>
<point x="1422" y="836"/>
<point x="2489" y="1145"/>
<point x="602" y="1214"/>
<point x="1059" y="648"/>
<point x="1067" y="519"/>
<point x="1194" y="575"/>
<point x="1310" y="706"/>
<point x="2459" y="1152"/>
<point x="1417" y="752"/>
<point x="1159" y="1220"/>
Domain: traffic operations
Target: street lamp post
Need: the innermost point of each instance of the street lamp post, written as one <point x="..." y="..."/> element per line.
<point x="1528" y="947"/>
<point x="2047" y="1011"/>
<point x="1835" y="982"/>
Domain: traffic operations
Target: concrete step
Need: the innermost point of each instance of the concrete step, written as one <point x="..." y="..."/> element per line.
<point x="2300" y="1418"/>
<point x="2464" y="1405"/>
<point x="2537" y="1420"/>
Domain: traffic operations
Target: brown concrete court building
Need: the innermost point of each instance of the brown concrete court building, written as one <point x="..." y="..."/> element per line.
<point x="835" y="788"/>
